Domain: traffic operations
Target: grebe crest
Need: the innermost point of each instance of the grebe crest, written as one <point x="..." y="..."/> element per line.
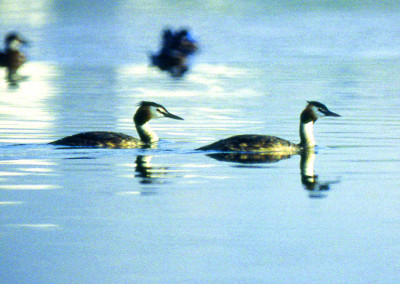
<point x="145" y="112"/>
<point x="272" y="144"/>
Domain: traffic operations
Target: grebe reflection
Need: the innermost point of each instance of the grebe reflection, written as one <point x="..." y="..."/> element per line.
<point x="309" y="179"/>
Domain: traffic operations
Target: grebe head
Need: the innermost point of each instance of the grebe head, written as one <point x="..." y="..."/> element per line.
<point x="145" y="112"/>
<point x="13" y="41"/>
<point x="314" y="110"/>
<point x="310" y="114"/>
<point x="150" y="110"/>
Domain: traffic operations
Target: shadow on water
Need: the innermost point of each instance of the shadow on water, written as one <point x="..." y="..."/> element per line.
<point x="309" y="180"/>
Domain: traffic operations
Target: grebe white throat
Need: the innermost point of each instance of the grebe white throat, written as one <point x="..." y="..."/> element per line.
<point x="307" y="139"/>
<point x="146" y="133"/>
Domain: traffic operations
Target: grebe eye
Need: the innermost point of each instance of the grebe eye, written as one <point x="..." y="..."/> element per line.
<point x="161" y="111"/>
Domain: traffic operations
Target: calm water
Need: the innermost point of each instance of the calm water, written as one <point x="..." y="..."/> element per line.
<point x="171" y="214"/>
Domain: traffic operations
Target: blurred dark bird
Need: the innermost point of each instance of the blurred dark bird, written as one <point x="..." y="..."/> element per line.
<point x="12" y="58"/>
<point x="175" y="51"/>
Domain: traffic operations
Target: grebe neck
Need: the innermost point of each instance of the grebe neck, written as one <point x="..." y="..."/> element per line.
<point x="307" y="134"/>
<point x="146" y="134"/>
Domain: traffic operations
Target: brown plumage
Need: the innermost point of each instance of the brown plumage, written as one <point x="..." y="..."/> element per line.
<point x="252" y="143"/>
<point x="101" y="139"/>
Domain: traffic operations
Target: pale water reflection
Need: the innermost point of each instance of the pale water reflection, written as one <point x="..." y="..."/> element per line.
<point x="24" y="108"/>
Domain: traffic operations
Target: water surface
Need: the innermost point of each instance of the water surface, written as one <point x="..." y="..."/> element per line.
<point x="172" y="214"/>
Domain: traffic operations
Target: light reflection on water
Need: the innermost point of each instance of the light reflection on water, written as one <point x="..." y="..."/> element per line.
<point x="24" y="107"/>
<point x="172" y="214"/>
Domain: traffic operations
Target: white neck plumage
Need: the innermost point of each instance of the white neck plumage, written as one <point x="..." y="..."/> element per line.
<point x="307" y="135"/>
<point x="146" y="134"/>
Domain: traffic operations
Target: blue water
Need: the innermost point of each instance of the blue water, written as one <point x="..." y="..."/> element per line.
<point x="175" y="215"/>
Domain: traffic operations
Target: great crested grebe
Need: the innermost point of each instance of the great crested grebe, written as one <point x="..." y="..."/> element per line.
<point x="12" y="58"/>
<point x="105" y="139"/>
<point x="272" y="144"/>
